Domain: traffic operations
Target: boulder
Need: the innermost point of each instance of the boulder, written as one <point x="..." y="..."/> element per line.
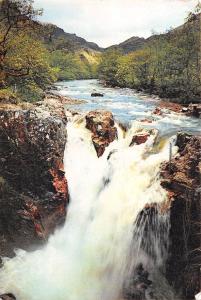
<point x="139" y="138"/>
<point x="102" y="126"/>
<point x="157" y="111"/>
<point x="146" y="120"/>
<point x="97" y="95"/>
<point x="170" y="106"/>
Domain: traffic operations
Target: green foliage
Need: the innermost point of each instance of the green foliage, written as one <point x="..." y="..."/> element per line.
<point x="27" y="53"/>
<point x="24" y="62"/>
<point x="169" y="65"/>
<point x="29" y="62"/>
<point x="7" y="94"/>
<point x="108" y="66"/>
<point x="72" y="66"/>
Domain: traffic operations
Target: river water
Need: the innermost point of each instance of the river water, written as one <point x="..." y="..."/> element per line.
<point x="105" y="238"/>
<point x="126" y="105"/>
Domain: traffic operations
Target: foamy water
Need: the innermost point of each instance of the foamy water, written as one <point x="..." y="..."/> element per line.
<point x="94" y="253"/>
<point x="126" y="105"/>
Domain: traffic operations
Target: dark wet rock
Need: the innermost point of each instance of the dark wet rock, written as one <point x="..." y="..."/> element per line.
<point x="158" y="111"/>
<point x="8" y="296"/>
<point x="33" y="186"/>
<point x="182" y="179"/>
<point x="139" y="139"/>
<point x="102" y="126"/>
<point x="135" y="288"/>
<point x="193" y="110"/>
<point x="97" y="95"/>
<point x="146" y="120"/>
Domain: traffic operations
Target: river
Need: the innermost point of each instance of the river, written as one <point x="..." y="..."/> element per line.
<point x="104" y="241"/>
<point x="126" y="105"/>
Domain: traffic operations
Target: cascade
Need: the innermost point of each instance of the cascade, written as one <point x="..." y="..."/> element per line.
<point x="113" y="226"/>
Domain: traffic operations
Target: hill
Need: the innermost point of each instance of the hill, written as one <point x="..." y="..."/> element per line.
<point x="60" y="40"/>
<point x="132" y="44"/>
<point x="166" y="64"/>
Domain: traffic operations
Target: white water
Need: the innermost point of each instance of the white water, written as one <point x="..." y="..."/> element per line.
<point x="89" y="257"/>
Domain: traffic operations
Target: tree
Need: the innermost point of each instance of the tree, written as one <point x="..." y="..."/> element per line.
<point x="16" y="17"/>
<point x="108" y="66"/>
<point x="28" y="53"/>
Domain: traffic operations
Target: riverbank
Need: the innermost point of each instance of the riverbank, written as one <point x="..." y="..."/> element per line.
<point x="191" y="109"/>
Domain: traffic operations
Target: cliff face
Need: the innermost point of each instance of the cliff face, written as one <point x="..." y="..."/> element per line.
<point x="33" y="187"/>
<point x="182" y="179"/>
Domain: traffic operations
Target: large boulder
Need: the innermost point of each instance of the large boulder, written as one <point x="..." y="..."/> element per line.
<point x="102" y="126"/>
<point x="33" y="186"/>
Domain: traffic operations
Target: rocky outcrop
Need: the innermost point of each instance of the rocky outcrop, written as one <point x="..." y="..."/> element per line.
<point x="170" y="106"/>
<point x="33" y="186"/>
<point x="193" y="110"/>
<point x="138" y="284"/>
<point x="102" y="126"/>
<point x="139" y="139"/>
<point x="182" y="179"/>
<point x="157" y="111"/>
<point x="96" y="94"/>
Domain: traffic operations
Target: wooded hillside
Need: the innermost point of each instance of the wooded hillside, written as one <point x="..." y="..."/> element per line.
<point x="168" y="65"/>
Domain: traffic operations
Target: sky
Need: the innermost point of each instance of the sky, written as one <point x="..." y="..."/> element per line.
<point x="108" y="22"/>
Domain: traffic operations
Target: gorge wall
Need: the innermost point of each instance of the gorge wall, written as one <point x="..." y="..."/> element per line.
<point x="33" y="188"/>
<point x="182" y="179"/>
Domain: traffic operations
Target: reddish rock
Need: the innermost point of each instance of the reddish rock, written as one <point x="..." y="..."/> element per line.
<point x="140" y="138"/>
<point x="146" y="121"/>
<point x="34" y="192"/>
<point x="170" y="106"/>
<point x="102" y="126"/>
<point x="157" y="111"/>
<point x="182" y="179"/>
<point x="59" y="180"/>
<point x="184" y="171"/>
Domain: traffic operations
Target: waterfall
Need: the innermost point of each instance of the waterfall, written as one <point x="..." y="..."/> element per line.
<point x="93" y="256"/>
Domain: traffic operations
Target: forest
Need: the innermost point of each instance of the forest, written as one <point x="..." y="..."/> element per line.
<point x="31" y="59"/>
<point x="168" y="65"/>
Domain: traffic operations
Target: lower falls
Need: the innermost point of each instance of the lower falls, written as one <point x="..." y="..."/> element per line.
<point x="114" y="243"/>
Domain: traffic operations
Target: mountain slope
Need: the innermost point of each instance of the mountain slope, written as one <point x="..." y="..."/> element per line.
<point x="60" y="40"/>
<point x="132" y="44"/>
